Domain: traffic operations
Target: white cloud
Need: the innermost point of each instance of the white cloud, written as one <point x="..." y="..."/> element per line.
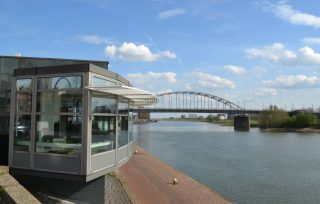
<point x="275" y="53"/>
<point x="111" y="50"/>
<point x="94" y="39"/>
<point x="171" y="13"/>
<point x="211" y="81"/>
<point x="278" y="53"/>
<point x="260" y="70"/>
<point x="130" y="51"/>
<point x="226" y="96"/>
<point x="308" y="56"/>
<point x="188" y="86"/>
<point x="293" y="81"/>
<point x="152" y="77"/>
<point x="164" y="91"/>
<point x="285" y="12"/>
<point x="168" y="54"/>
<point x="265" y="92"/>
<point x="133" y="52"/>
<point x="235" y="69"/>
<point x="311" y="40"/>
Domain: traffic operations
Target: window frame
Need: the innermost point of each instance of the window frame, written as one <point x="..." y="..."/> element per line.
<point x="39" y="114"/>
<point x="16" y="113"/>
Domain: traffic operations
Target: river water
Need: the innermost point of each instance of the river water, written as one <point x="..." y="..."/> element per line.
<point x="246" y="167"/>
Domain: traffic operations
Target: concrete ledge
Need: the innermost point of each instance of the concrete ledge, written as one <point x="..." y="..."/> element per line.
<point x="45" y="198"/>
<point x="4" y="170"/>
<point x="12" y="192"/>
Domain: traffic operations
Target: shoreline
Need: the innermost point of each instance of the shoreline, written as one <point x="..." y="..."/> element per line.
<point x="147" y="179"/>
<point x="285" y="130"/>
<point x="269" y="130"/>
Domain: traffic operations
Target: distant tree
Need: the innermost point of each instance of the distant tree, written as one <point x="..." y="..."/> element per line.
<point x="305" y="120"/>
<point x="212" y="118"/>
<point x="291" y="122"/>
<point x="317" y="125"/>
<point x="273" y="118"/>
<point x="302" y="120"/>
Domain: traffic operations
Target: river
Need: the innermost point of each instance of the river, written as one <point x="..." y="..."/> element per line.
<point x="245" y="167"/>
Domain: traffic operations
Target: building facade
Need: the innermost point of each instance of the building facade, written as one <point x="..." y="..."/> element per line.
<point x="66" y="118"/>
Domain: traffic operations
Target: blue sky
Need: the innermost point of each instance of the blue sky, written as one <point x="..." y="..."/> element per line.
<point x="251" y="52"/>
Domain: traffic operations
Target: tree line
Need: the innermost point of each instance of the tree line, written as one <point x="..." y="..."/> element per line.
<point x="278" y="118"/>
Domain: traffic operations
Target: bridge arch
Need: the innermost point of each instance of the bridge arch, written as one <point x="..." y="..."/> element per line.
<point x="193" y="100"/>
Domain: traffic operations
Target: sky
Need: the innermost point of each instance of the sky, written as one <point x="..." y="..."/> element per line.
<point x="251" y="52"/>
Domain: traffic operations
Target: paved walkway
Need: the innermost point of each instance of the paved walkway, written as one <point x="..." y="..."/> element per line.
<point x="149" y="180"/>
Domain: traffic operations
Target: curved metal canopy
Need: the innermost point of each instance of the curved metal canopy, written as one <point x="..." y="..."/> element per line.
<point x="137" y="97"/>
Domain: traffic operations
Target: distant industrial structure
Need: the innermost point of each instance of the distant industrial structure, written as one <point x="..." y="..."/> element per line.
<point x="192" y="115"/>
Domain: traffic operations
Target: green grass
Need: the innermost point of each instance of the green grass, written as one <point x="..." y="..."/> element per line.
<point x="185" y="119"/>
<point x="254" y="123"/>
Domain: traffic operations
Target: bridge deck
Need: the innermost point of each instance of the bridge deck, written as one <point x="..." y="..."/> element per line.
<point x="186" y="110"/>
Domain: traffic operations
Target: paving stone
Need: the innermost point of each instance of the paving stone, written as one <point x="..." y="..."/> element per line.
<point x="149" y="180"/>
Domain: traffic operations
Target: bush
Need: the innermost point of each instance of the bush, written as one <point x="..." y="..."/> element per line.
<point x="212" y="118"/>
<point x="302" y="121"/>
<point x="291" y="122"/>
<point x="273" y="118"/>
<point x="276" y="118"/>
<point x="305" y="120"/>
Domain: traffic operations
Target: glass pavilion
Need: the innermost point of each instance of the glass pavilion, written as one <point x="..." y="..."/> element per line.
<point x="71" y="121"/>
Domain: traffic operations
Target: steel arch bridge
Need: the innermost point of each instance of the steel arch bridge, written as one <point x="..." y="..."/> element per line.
<point x="190" y="101"/>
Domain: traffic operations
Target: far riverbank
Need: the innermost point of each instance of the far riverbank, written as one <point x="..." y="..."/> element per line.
<point x="253" y="124"/>
<point x="296" y="130"/>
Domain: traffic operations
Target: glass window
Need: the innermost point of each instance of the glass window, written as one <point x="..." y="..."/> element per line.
<point x="4" y="101"/>
<point x="4" y="124"/>
<point x="103" y="103"/>
<point x="24" y="84"/>
<point x="103" y="134"/>
<point x="96" y="81"/>
<point x="22" y="132"/>
<point x="130" y="128"/>
<point x="24" y="102"/>
<point x="62" y="82"/>
<point x="123" y="131"/>
<point x="59" y="101"/>
<point x="123" y="106"/>
<point x="60" y="134"/>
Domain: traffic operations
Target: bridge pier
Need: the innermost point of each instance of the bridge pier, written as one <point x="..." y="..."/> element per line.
<point x="241" y="123"/>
